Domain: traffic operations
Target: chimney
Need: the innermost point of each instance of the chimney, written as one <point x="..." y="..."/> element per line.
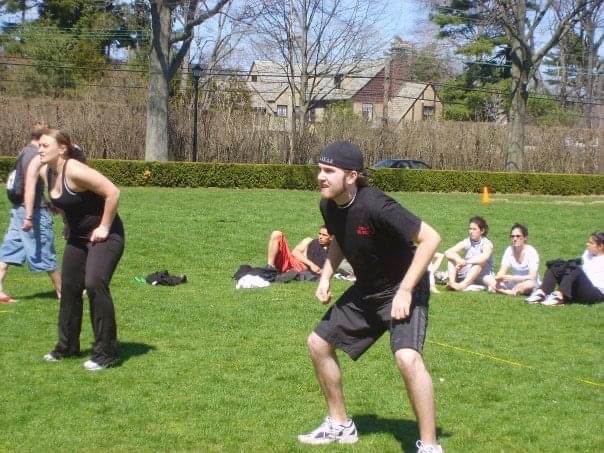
<point x="401" y="57"/>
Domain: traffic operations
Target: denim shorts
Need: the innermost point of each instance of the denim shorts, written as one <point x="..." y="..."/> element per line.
<point x="36" y="246"/>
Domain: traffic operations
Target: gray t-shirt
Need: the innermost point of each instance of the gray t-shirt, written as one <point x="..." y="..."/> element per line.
<point x="473" y="249"/>
<point x="29" y="152"/>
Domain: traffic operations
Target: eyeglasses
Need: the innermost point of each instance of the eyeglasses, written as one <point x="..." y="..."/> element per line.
<point x="515" y="236"/>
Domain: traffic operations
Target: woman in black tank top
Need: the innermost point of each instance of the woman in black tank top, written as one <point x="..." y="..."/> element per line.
<point x="95" y="243"/>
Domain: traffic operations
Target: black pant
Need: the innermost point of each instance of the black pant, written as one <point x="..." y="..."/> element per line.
<point x="573" y="283"/>
<point x="89" y="266"/>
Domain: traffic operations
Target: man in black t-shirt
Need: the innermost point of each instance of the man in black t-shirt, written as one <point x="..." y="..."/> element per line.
<point x="389" y="249"/>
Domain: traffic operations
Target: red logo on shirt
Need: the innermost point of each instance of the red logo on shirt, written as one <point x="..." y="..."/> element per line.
<point x="364" y="230"/>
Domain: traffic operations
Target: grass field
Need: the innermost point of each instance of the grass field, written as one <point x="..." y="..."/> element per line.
<point x="210" y="368"/>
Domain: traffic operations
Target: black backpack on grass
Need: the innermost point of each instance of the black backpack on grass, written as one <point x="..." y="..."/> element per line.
<point x="15" y="183"/>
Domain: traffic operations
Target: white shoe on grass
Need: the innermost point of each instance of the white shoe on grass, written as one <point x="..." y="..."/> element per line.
<point x="51" y="357"/>
<point x="329" y="432"/>
<point x="423" y="448"/>
<point x="554" y="298"/>
<point x="536" y="297"/>
<point x="91" y="365"/>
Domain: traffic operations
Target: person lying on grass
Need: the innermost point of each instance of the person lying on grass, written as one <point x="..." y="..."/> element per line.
<point x="579" y="280"/>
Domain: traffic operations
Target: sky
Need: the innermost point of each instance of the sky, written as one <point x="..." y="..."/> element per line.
<point x="408" y="18"/>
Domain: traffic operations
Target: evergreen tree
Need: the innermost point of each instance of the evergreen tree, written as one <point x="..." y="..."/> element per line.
<point x="474" y="95"/>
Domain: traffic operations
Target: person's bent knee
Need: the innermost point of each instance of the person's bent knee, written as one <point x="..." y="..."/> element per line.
<point x="276" y="235"/>
<point x="317" y="345"/>
<point x="408" y="360"/>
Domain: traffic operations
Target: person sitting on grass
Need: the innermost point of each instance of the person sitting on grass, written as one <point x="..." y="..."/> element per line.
<point x="433" y="269"/>
<point x="523" y="260"/>
<point x="477" y="260"/>
<point x="308" y="255"/>
<point x="576" y="282"/>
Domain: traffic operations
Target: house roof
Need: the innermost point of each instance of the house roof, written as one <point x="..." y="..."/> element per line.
<point x="271" y="80"/>
<point x="400" y="104"/>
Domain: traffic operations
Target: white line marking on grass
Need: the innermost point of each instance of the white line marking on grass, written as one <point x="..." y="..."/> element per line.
<point x="507" y="362"/>
<point x="480" y="354"/>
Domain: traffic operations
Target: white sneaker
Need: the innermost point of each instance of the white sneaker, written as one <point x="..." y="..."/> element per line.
<point x="91" y="365"/>
<point x="329" y="432"/>
<point x="554" y="298"/>
<point x="50" y="357"/>
<point x="536" y="297"/>
<point x="422" y="448"/>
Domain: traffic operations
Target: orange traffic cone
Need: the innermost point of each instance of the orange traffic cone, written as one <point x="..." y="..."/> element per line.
<point x="484" y="199"/>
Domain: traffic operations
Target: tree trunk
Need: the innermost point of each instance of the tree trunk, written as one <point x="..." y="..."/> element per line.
<point x="156" y="138"/>
<point x="592" y="55"/>
<point x="520" y="77"/>
<point x="291" y="154"/>
<point x="386" y="96"/>
<point x="185" y="68"/>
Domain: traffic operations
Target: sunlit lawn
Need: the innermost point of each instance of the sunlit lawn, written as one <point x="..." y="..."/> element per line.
<point x="207" y="367"/>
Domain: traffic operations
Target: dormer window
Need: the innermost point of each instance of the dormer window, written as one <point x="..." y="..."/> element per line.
<point x="254" y="78"/>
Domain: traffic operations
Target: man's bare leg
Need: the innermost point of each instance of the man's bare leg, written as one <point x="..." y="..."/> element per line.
<point x="420" y="391"/>
<point x="329" y="375"/>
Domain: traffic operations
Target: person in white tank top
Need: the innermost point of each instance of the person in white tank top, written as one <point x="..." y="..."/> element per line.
<point x="519" y="269"/>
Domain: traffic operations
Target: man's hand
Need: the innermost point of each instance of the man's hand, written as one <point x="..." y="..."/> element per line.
<point x="314" y="268"/>
<point x="323" y="293"/>
<point x="401" y="304"/>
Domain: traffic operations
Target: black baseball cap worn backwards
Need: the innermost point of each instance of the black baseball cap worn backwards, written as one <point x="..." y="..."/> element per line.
<point x="343" y="155"/>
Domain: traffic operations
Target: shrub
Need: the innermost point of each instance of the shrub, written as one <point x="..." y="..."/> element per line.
<point x="303" y="177"/>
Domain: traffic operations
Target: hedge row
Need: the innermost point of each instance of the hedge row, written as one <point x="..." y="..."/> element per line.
<point x="301" y="177"/>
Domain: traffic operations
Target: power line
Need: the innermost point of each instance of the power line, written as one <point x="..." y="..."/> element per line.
<point x="285" y="77"/>
<point x="239" y="91"/>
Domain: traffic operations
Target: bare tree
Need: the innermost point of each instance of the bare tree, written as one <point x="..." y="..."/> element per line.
<point x="592" y="22"/>
<point x="312" y="40"/>
<point x="165" y="60"/>
<point x="17" y="6"/>
<point x="521" y="19"/>
<point x="216" y="48"/>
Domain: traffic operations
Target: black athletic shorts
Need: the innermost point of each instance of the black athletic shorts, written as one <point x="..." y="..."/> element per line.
<point x="356" y="321"/>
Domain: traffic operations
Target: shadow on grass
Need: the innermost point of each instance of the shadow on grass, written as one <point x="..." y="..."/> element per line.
<point x="128" y="350"/>
<point x="404" y="431"/>
<point x="42" y="295"/>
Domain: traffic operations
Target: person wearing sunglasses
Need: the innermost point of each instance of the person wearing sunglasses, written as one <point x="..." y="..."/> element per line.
<point x="519" y="269"/>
